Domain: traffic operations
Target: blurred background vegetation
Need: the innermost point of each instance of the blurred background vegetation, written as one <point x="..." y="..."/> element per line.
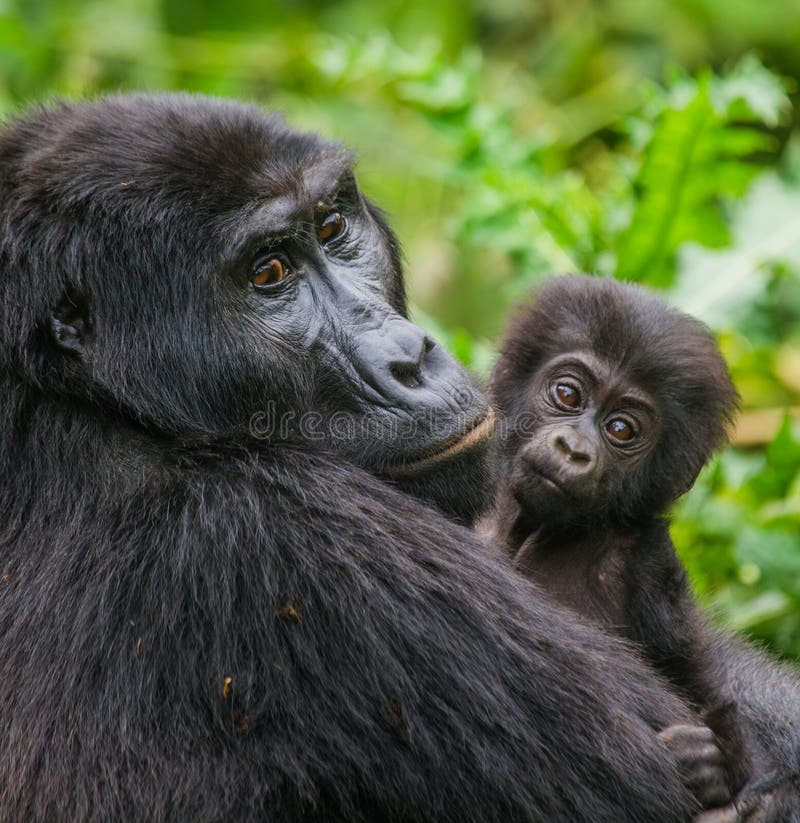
<point x="652" y="140"/>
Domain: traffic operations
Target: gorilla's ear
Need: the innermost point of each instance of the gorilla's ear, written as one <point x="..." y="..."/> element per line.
<point x="687" y="486"/>
<point x="70" y="323"/>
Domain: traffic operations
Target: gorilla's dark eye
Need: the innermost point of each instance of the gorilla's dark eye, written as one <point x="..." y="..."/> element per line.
<point x="270" y="273"/>
<point x="620" y="429"/>
<point x="566" y="395"/>
<point x="331" y="227"/>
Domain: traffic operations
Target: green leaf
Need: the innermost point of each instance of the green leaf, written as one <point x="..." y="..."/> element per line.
<point x="699" y="153"/>
<point x="670" y="161"/>
<point x="782" y="464"/>
<point x="761" y="609"/>
<point x="776" y="553"/>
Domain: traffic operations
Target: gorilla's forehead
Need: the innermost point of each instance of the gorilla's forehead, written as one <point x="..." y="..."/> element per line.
<point x="182" y="147"/>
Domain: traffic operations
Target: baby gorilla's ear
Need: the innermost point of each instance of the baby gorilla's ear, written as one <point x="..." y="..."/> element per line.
<point x="70" y="323"/>
<point x="686" y="484"/>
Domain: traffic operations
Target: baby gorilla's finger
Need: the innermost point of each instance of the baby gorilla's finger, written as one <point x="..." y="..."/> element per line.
<point x="726" y="815"/>
<point x="700" y="763"/>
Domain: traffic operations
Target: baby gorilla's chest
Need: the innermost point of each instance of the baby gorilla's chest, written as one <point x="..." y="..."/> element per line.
<point x="588" y="578"/>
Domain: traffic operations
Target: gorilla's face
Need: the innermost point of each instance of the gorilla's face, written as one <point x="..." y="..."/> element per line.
<point x="210" y="272"/>
<point x="613" y="402"/>
<point x="583" y="440"/>
<point x="314" y="278"/>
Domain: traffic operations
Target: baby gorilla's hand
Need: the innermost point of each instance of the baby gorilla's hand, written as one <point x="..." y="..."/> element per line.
<point x="700" y="762"/>
<point x="759" y="813"/>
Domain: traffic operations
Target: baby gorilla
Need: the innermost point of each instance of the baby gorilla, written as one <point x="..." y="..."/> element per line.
<point x="613" y="402"/>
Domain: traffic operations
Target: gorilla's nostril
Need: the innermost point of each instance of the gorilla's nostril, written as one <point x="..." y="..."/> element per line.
<point x="406" y="374"/>
<point x="571" y="452"/>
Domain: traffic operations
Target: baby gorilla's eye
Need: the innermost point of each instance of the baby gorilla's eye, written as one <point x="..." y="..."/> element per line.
<point x="270" y="273"/>
<point x="620" y="430"/>
<point x="566" y="395"/>
<point x="331" y="227"/>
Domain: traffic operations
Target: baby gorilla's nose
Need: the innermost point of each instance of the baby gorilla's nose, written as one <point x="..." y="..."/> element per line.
<point x="574" y="448"/>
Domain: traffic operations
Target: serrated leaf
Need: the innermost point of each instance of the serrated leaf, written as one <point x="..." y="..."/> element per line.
<point x="696" y="156"/>
<point x="644" y="249"/>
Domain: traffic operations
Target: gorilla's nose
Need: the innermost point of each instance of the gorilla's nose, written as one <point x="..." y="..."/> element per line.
<point x="401" y="361"/>
<point x="406" y="368"/>
<point x="574" y="448"/>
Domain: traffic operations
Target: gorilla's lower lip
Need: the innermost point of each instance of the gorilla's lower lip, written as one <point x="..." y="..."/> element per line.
<point x="550" y="482"/>
<point x="480" y="432"/>
<point x="533" y="474"/>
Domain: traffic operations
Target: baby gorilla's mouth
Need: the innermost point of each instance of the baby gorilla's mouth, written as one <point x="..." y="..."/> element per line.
<point x="548" y="482"/>
<point x="479" y="433"/>
<point x="534" y="488"/>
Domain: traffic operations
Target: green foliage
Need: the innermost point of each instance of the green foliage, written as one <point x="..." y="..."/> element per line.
<point x="515" y="139"/>
<point x="744" y="517"/>
<point x="725" y="286"/>
<point x="703" y="130"/>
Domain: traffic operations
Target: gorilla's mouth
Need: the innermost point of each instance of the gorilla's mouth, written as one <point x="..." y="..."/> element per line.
<point x="549" y="483"/>
<point x="481" y="431"/>
<point x="540" y="480"/>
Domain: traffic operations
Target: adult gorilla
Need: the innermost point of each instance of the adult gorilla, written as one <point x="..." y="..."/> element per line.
<point x="200" y="624"/>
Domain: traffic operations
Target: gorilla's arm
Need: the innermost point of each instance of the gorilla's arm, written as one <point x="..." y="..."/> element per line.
<point x="283" y="636"/>
<point x="768" y="700"/>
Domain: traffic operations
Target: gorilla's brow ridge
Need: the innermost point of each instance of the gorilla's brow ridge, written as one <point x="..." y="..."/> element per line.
<point x="278" y="212"/>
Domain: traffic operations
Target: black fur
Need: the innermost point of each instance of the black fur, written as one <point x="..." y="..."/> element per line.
<point x="200" y="624"/>
<point x="600" y="542"/>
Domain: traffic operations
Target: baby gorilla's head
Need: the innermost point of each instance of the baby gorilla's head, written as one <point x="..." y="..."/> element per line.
<point x="614" y="402"/>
